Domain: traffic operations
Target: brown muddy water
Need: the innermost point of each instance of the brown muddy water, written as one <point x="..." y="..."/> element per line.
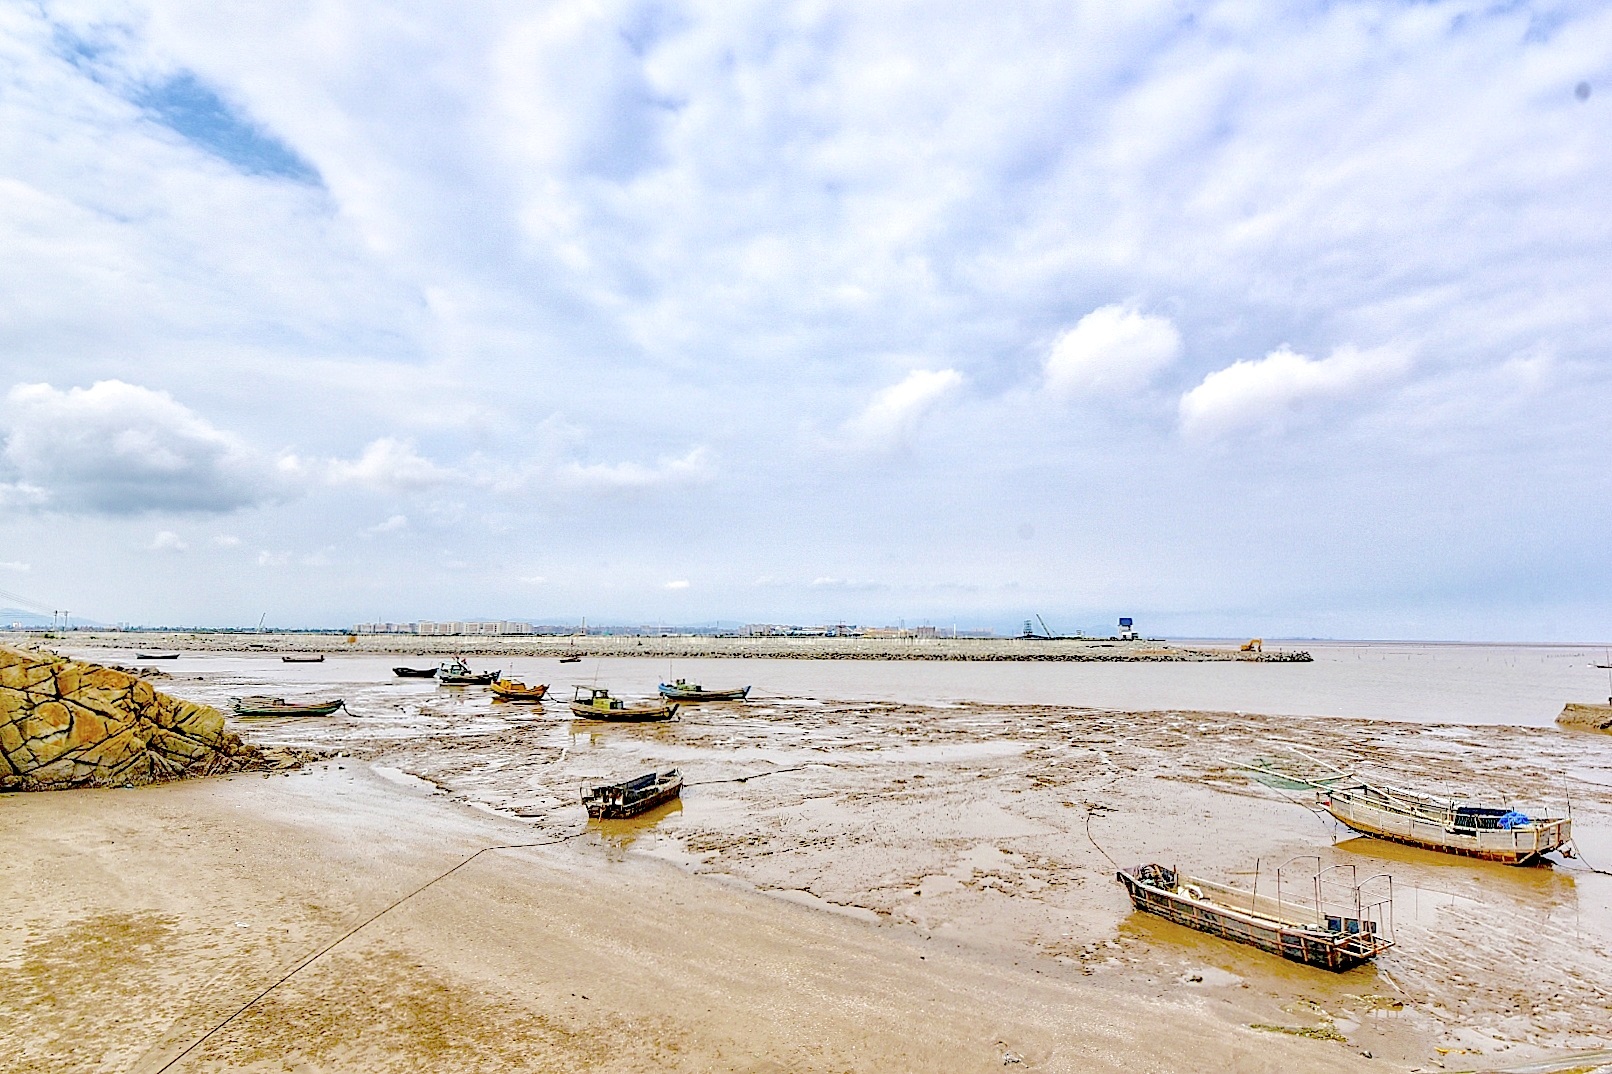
<point x="993" y="820"/>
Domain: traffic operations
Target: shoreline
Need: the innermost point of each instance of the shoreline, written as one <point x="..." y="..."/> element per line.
<point x="676" y="647"/>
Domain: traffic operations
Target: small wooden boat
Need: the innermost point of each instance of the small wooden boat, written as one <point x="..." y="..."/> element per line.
<point x="457" y="673"/>
<point x="599" y="705"/>
<point x="510" y="690"/>
<point x="256" y="707"/>
<point x="1489" y="829"/>
<point x="615" y="800"/>
<point x="683" y="690"/>
<point x="415" y="673"/>
<point x="316" y="658"/>
<point x="1292" y="929"/>
<point x="156" y="656"/>
<point x="572" y="659"/>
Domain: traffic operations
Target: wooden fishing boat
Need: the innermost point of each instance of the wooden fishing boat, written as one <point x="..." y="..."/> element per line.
<point x="599" y="705"/>
<point x="457" y="673"/>
<point x="612" y="801"/>
<point x="316" y="658"/>
<point x="572" y="659"/>
<point x="1294" y="930"/>
<point x="257" y="707"/>
<point x="683" y="690"/>
<point x="510" y="690"/>
<point x="1477" y="828"/>
<point x="415" y="673"/>
<point x="156" y="656"/>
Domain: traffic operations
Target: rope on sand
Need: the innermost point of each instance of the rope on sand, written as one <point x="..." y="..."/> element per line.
<point x="1089" y="806"/>
<point x="333" y="944"/>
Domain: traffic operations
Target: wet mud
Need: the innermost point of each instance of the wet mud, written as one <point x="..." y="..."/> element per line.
<point x="996" y="829"/>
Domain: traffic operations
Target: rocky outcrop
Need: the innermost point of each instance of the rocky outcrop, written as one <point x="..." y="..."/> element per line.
<point x="1587" y="717"/>
<point x="69" y="724"/>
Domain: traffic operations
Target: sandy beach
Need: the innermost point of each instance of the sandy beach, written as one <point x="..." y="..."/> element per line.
<point x="846" y="885"/>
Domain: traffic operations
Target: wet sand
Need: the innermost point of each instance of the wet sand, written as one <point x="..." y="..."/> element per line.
<point x="846" y="885"/>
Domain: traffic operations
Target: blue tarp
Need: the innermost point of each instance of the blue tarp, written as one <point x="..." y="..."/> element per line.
<point x="1514" y="819"/>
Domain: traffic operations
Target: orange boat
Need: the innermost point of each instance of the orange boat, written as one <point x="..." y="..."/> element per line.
<point x="511" y="690"/>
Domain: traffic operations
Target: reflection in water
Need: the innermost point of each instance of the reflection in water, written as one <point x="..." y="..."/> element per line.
<point x="616" y="836"/>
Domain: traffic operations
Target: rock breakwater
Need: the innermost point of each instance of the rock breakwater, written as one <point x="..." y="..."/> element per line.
<point x="64" y="723"/>
<point x="1587" y="717"/>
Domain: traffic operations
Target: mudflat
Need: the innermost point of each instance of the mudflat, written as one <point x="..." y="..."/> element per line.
<point x="141" y="920"/>
<point x="845" y="885"/>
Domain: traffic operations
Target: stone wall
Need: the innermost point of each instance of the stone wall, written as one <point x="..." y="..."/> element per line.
<point x="70" y="724"/>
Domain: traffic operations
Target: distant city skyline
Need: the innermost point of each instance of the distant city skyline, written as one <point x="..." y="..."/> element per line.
<point x="1243" y="319"/>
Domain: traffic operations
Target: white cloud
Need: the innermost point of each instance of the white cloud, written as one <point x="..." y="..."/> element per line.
<point x="681" y="583"/>
<point x="1111" y="349"/>
<point x="390" y="465"/>
<point x="1275" y="389"/>
<point x="266" y="558"/>
<point x="226" y="540"/>
<point x="168" y="541"/>
<point x="693" y="466"/>
<point x="391" y="525"/>
<point x="120" y="449"/>
<point x="895" y="411"/>
<point x="15" y="565"/>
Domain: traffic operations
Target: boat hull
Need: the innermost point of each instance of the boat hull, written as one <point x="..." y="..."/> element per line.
<point x="263" y="712"/>
<point x="415" y="673"/>
<point x="302" y="659"/>
<point x="628" y="714"/>
<point x="536" y="693"/>
<point x="1514" y="846"/>
<point x="468" y="680"/>
<point x="672" y="693"/>
<point x="1334" y="951"/>
<point x="619" y="802"/>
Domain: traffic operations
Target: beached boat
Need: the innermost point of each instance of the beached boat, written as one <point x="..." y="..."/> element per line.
<point x="1302" y="930"/>
<point x="316" y="658"/>
<point x="251" y="707"/>
<point x="683" y="690"/>
<point x="156" y="656"/>
<point x="457" y="673"/>
<point x="1490" y="829"/>
<point x="572" y="659"/>
<point x="510" y="690"/>
<point x="615" y="800"/>
<point x="599" y="705"/>
<point x="415" y="673"/>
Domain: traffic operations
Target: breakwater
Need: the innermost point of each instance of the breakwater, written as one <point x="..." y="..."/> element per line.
<point x="686" y="647"/>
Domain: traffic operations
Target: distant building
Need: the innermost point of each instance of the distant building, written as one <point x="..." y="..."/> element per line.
<point x="495" y="627"/>
<point x="1127" y="631"/>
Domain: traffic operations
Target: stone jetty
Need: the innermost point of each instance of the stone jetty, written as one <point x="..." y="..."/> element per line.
<point x="69" y="724"/>
<point x="1586" y="717"/>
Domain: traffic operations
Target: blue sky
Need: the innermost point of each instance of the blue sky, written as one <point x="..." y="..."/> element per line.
<point x="1238" y="318"/>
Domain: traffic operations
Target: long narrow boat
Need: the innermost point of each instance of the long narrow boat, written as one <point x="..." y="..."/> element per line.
<point x="316" y="658"/>
<point x="510" y="690"/>
<point x="683" y="690"/>
<point x="258" y="707"/>
<point x="414" y="673"/>
<point x="1478" y="828"/>
<point x="156" y="656"/>
<point x="615" y="800"/>
<point x="599" y="705"/>
<point x="1293" y="930"/>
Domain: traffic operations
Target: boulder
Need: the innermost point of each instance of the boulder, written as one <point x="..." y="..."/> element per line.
<point x="1587" y="717"/>
<point x="64" y="723"/>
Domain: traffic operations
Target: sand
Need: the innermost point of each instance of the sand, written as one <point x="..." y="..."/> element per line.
<point x="845" y="886"/>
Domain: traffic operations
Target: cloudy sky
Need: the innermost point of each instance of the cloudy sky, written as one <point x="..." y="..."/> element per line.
<point x="1239" y="318"/>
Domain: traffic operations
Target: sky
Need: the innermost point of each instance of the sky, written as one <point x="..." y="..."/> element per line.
<point x="1242" y="318"/>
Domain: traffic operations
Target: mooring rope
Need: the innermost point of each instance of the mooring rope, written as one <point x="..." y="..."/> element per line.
<point x="333" y="944"/>
<point x="1093" y="839"/>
